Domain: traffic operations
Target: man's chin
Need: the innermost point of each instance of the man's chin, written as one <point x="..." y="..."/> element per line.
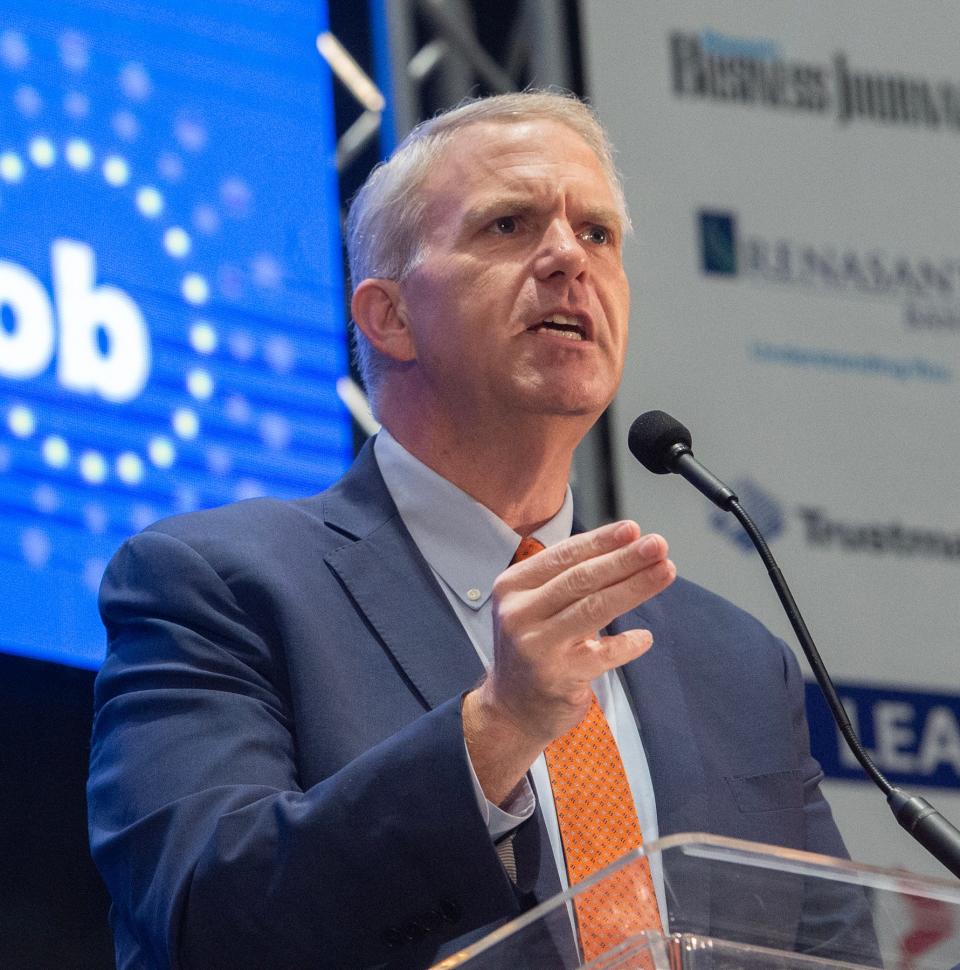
<point x="586" y="408"/>
<point x="558" y="395"/>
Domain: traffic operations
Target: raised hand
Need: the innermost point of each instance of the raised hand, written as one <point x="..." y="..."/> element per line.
<point x="547" y="612"/>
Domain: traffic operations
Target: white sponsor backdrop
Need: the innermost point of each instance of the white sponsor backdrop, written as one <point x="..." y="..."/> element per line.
<point x="810" y="152"/>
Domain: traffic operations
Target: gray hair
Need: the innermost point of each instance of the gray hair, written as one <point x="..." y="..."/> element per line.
<point x="385" y="224"/>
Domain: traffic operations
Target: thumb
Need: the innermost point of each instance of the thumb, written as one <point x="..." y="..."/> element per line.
<point x="621" y="648"/>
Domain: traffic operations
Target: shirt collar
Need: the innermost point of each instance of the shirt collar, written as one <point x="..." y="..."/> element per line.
<point x="465" y="543"/>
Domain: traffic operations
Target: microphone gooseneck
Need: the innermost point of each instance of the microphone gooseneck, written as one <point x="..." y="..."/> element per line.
<point x="663" y="445"/>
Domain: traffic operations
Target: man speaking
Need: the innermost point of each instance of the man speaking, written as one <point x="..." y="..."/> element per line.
<point x="365" y="727"/>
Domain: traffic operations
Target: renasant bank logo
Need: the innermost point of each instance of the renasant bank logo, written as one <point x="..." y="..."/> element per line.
<point x="927" y="287"/>
<point x="753" y="72"/>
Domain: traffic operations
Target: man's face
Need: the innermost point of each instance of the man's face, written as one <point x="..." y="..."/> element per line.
<point x="520" y="303"/>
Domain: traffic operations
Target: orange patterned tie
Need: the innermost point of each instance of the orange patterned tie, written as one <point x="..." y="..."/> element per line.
<point x="598" y="824"/>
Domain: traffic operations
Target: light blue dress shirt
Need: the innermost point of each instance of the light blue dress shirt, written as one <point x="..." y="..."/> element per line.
<point x="467" y="546"/>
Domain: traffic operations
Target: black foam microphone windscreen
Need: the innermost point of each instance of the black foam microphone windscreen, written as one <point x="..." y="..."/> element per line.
<point x="652" y="436"/>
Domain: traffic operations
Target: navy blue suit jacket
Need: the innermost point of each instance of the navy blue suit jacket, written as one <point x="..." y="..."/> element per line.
<point x="278" y="775"/>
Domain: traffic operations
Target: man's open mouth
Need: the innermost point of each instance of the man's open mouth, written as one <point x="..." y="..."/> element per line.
<point x="563" y="325"/>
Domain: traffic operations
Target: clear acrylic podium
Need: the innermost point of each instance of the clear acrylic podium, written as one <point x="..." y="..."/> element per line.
<point x="734" y="905"/>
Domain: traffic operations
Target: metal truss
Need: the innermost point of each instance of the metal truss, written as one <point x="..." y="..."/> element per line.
<point x="441" y="51"/>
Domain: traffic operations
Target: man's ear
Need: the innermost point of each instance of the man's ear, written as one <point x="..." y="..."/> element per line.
<point x="379" y="311"/>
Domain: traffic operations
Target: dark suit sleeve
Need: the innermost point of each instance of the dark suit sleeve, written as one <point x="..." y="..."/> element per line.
<point x="213" y="854"/>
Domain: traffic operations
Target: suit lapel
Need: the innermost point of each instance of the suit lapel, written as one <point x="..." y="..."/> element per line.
<point x="395" y="589"/>
<point x="676" y="767"/>
<point x="661" y="709"/>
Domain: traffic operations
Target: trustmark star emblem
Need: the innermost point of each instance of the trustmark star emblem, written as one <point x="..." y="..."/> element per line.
<point x="765" y="510"/>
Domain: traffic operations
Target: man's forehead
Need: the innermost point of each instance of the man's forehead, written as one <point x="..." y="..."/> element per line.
<point x="481" y="144"/>
<point x="514" y="159"/>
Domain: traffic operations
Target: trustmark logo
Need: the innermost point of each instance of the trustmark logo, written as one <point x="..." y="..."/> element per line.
<point x="823" y="531"/>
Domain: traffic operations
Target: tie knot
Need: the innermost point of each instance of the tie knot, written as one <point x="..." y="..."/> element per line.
<point x="528" y="547"/>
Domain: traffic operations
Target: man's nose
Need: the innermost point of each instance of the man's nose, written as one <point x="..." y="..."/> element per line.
<point x="561" y="252"/>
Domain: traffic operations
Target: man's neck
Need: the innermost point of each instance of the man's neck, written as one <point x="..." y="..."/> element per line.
<point x="521" y="477"/>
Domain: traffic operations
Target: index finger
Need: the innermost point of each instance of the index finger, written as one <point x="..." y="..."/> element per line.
<point x="539" y="569"/>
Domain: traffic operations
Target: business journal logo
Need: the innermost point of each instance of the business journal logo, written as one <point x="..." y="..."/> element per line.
<point x="755" y="72"/>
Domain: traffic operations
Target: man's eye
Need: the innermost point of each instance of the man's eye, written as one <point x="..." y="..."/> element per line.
<point x="597" y="234"/>
<point x="505" y="225"/>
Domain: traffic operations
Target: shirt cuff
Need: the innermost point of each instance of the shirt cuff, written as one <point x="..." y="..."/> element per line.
<point x="517" y="809"/>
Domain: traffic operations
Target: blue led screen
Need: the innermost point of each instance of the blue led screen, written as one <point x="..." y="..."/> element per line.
<point x="171" y="290"/>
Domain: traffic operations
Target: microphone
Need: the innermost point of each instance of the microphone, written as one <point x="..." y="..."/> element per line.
<point x="663" y="445"/>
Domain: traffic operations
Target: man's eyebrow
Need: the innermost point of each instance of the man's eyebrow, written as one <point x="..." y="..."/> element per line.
<point x="604" y="216"/>
<point x="506" y="205"/>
